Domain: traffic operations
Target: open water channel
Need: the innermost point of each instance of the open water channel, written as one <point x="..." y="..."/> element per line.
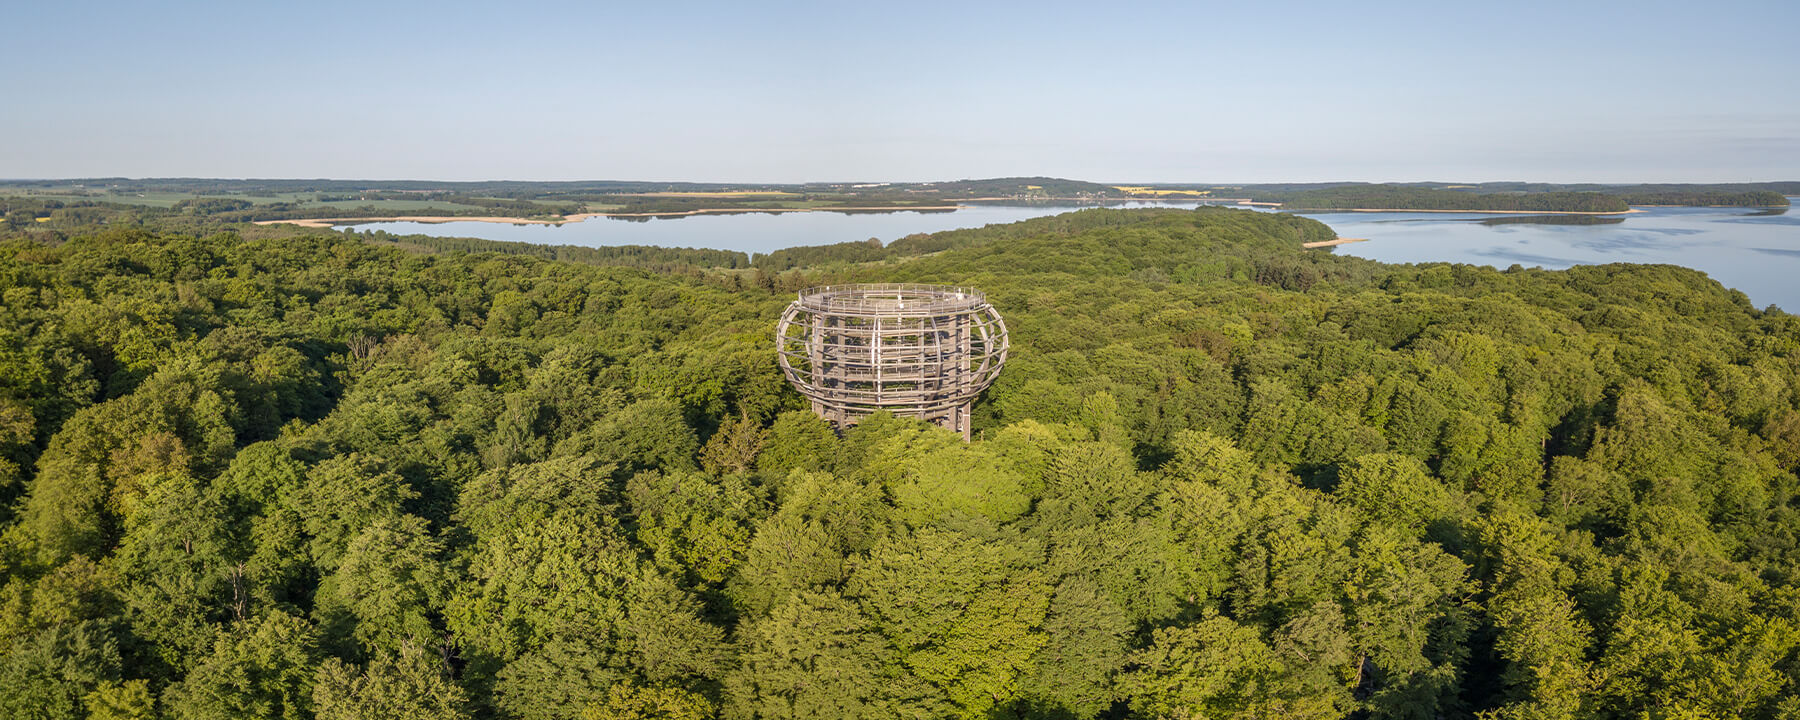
<point x="1755" y="251"/>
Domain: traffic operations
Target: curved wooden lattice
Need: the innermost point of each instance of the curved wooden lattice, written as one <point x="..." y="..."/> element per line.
<point x="923" y="351"/>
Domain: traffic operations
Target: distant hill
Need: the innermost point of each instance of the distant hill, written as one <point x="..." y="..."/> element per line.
<point x="216" y="201"/>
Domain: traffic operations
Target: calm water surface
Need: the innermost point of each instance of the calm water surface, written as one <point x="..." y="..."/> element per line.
<point x="756" y="233"/>
<point x="1757" y="252"/>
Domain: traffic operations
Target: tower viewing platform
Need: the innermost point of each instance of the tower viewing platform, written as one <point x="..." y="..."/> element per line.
<point x="920" y="351"/>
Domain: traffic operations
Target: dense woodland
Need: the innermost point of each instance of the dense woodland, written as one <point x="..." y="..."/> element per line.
<point x="1754" y="198"/>
<point x="1399" y="197"/>
<point x="1555" y="198"/>
<point x="1778" y="188"/>
<point x="342" y="477"/>
<point x="1533" y="196"/>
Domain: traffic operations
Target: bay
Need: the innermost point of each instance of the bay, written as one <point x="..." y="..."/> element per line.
<point x="751" y="232"/>
<point x="1755" y="251"/>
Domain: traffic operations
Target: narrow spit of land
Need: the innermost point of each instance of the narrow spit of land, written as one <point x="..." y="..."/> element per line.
<point x="1329" y="243"/>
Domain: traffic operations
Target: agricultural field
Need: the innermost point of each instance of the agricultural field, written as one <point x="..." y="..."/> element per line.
<point x="719" y="194"/>
<point x="390" y="205"/>
<point x="1152" y="191"/>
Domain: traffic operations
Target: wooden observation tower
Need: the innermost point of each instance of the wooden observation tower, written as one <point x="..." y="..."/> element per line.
<point x="921" y="351"/>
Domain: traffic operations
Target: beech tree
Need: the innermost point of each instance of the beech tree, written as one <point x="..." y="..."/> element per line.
<point x="410" y="683"/>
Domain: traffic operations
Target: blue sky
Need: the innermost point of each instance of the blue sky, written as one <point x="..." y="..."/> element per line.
<point x="791" y="92"/>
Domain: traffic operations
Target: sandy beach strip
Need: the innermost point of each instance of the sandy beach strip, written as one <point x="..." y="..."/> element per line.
<point x="1329" y="243"/>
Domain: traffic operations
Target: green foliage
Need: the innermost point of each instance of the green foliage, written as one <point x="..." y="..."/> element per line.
<point x="1396" y="197"/>
<point x="1399" y="492"/>
<point x="130" y="700"/>
<point x="961" y="613"/>
<point x="1514" y="196"/>
<point x="629" y="702"/>
<point x="341" y="497"/>
<point x="176" y="562"/>
<point x="1213" y="668"/>
<point x="390" y="585"/>
<point x="799" y="440"/>
<point x="554" y="680"/>
<point x="1086" y="644"/>
<point x="822" y="524"/>
<point x="261" y="671"/>
<point x="812" y="656"/>
<point x="50" y="673"/>
<point x="1745" y="198"/>
<point x="1220" y="476"/>
<point x="410" y="684"/>
<point x="694" y="524"/>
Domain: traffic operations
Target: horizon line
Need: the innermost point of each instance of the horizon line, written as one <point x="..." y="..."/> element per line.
<point x="890" y="182"/>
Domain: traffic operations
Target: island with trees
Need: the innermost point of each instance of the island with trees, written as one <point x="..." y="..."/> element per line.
<point x="344" y="475"/>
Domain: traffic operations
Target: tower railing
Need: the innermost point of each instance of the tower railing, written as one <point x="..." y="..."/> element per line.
<point x="918" y="350"/>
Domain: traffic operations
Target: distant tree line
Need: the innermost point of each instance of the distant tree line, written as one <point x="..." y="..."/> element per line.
<point x="212" y="206"/>
<point x="625" y="255"/>
<point x="1398" y="197"/>
<point x="1751" y="198"/>
<point x="846" y="252"/>
<point x="1770" y="194"/>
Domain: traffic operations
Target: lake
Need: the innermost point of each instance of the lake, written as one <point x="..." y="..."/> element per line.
<point x="1757" y="252"/>
<point x="755" y="233"/>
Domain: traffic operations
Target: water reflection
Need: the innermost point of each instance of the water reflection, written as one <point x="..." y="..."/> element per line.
<point x="1550" y="220"/>
<point x="1525" y="257"/>
<point x="1639" y="241"/>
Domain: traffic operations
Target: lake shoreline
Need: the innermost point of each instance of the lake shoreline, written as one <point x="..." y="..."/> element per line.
<point x="1469" y="212"/>
<point x="579" y="217"/>
<point x="1332" y="243"/>
<point x="323" y="223"/>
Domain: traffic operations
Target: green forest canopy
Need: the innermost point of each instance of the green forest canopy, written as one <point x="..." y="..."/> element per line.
<point x="1221" y="477"/>
<point x="1397" y="197"/>
<point x="1551" y="199"/>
